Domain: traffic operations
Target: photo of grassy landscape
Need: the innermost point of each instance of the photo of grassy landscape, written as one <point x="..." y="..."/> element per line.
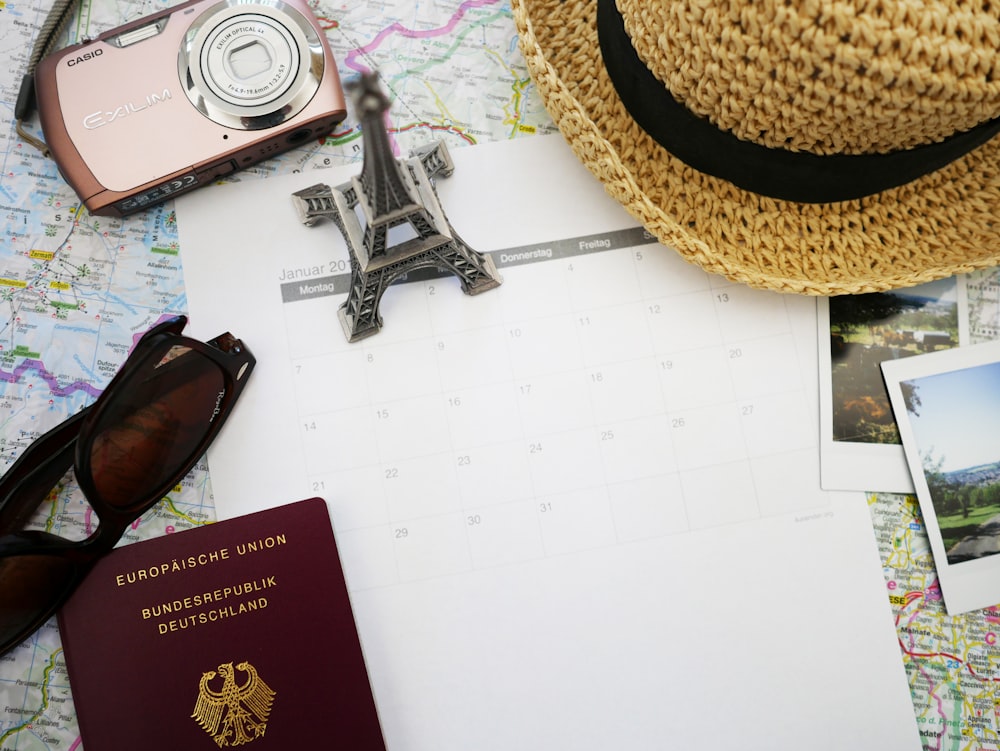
<point x="953" y="417"/>
<point x="867" y="329"/>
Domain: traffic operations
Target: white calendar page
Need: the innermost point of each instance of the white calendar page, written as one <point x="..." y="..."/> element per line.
<point x="581" y="510"/>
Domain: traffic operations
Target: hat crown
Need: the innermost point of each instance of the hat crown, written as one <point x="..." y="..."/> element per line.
<point x="824" y="76"/>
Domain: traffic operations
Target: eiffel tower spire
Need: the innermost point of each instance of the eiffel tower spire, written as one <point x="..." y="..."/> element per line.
<point x="384" y="188"/>
<point x="391" y="194"/>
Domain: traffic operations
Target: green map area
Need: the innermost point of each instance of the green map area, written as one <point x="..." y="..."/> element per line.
<point x="76" y="291"/>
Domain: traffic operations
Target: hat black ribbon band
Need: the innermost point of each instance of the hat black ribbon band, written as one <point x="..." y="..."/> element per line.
<point x="788" y="175"/>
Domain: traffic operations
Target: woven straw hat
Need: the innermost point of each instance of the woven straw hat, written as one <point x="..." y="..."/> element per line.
<point x="812" y="146"/>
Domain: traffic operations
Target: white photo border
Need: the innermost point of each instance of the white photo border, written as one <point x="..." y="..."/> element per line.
<point x="970" y="584"/>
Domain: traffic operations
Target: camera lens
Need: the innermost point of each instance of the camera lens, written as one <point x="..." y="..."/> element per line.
<point x="250" y="65"/>
<point x="249" y="60"/>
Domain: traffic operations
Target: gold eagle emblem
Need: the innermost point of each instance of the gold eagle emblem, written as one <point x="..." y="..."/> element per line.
<point x="235" y="713"/>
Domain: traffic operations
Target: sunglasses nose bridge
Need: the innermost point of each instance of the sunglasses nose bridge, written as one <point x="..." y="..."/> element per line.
<point x="39" y="468"/>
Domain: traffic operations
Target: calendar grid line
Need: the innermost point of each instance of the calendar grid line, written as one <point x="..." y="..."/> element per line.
<point x="736" y="404"/>
<point x="628" y="362"/>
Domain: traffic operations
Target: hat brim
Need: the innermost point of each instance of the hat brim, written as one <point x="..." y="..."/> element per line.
<point x="939" y="225"/>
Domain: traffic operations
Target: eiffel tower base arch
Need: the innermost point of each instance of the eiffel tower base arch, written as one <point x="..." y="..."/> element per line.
<point x="359" y="314"/>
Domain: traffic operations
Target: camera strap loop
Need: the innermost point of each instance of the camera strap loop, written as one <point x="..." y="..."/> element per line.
<point x="52" y="30"/>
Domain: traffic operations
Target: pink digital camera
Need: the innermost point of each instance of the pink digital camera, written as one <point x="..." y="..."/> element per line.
<point x="180" y="98"/>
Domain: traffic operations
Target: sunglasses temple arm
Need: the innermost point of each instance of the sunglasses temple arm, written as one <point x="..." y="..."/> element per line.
<point x="36" y="472"/>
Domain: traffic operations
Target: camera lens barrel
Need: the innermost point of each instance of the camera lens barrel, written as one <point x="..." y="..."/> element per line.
<point x="250" y="66"/>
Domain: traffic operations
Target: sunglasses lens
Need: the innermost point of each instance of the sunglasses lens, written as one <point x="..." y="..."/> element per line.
<point x="29" y="587"/>
<point x="154" y="427"/>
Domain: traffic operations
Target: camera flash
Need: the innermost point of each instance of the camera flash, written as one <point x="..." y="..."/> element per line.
<point x="139" y="35"/>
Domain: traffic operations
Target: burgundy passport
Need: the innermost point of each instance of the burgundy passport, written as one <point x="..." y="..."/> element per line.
<point x="239" y="633"/>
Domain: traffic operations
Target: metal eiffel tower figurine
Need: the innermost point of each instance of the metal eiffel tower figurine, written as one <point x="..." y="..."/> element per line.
<point x="401" y="227"/>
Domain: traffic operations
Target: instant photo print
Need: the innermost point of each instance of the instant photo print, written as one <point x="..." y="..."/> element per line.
<point x="859" y="441"/>
<point x="947" y="407"/>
